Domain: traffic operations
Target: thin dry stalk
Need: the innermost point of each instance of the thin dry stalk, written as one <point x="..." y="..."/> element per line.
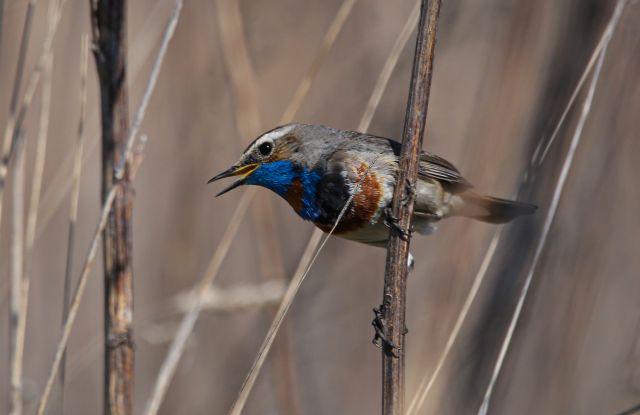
<point x="22" y="55"/>
<point x="17" y="115"/>
<point x="73" y="200"/>
<point x="389" y="66"/>
<point x="200" y="293"/>
<point x="167" y="369"/>
<point x="22" y="245"/>
<point x="17" y="82"/>
<point x="75" y="300"/>
<point x="302" y="270"/>
<point x="151" y="32"/>
<point x="395" y="282"/>
<point x="106" y="207"/>
<point x="427" y="382"/>
<point x="239" y="67"/>
<point x="17" y="320"/>
<point x="306" y="261"/>
<point x="1" y="25"/>
<point x="58" y="183"/>
<point x="234" y="298"/>
<point x="604" y="40"/>
<point x="41" y="151"/>
<point x="553" y="208"/>
<point x="327" y="44"/>
<point x="247" y="117"/>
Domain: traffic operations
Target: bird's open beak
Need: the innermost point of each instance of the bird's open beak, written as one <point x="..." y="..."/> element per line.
<point x="236" y="170"/>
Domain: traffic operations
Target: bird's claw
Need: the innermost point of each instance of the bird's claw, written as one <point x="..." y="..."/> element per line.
<point x="409" y="191"/>
<point x="381" y="340"/>
<point x="392" y="222"/>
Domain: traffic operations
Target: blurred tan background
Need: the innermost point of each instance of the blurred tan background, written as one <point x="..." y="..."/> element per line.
<point x="504" y="72"/>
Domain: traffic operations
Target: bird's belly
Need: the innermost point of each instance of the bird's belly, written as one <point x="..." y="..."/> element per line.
<point x="373" y="234"/>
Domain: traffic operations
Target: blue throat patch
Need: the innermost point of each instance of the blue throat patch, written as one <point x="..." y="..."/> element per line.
<point x="278" y="176"/>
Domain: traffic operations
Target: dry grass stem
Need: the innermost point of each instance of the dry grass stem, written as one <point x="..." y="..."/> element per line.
<point x="427" y="382"/>
<point x="17" y="115"/>
<point x="1" y="25"/>
<point x="327" y="43"/>
<point x="73" y="200"/>
<point x="239" y="68"/>
<point x="17" y="82"/>
<point x="604" y="40"/>
<point x="553" y="208"/>
<point x="22" y="245"/>
<point x="172" y="358"/>
<point x="247" y="118"/>
<point x="75" y="300"/>
<point x="22" y="55"/>
<point x="106" y="207"/>
<point x="389" y="66"/>
<point x="234" y="298"/>
<point x="17" y="320"/>
<point x="200" y="292"/>
<point x="59" y="184"/>
<point x="306" y="261"/>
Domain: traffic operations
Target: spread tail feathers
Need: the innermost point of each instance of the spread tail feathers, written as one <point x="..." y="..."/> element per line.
<point x="489" y="209"/>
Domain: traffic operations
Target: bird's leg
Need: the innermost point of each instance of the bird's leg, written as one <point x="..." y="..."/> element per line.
<point x="409" y="191"/>
<point x="391" y="222"/>
<point x="380" y="339"/>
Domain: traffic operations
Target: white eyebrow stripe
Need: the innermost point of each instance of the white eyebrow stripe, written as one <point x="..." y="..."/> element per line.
<point x="273" y="135"/>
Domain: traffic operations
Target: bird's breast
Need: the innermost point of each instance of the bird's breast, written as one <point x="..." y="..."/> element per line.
<point x="365" y="206"/>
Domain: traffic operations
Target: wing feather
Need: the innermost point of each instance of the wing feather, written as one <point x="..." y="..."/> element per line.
<point x="435" y="167"/>
<point x="431" y="166"/>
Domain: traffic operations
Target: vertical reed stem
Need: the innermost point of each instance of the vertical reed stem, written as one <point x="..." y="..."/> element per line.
<point x="108" y="18"/>
<point x="394" y="297"/>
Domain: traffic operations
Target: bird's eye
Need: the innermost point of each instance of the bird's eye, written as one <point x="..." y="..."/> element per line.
<point x="265" y="148"/>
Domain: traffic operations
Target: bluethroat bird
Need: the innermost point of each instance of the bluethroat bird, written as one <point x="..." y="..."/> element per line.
<point x="317" y="168"/>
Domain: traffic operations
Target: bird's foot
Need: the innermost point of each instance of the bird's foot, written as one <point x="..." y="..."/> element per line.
<point x="381" y="339"/>
<point x="391" y="222"/>
<point x="409" y="192"/>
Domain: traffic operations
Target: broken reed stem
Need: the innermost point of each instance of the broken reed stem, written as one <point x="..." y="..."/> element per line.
<point x="549" y="218"/>
<point x="73" y="201"/>
<point x="170" y="363"/>
<point x="394" y="296"/>
<point x="108" y="23"/>
<point x="106" y="208"/>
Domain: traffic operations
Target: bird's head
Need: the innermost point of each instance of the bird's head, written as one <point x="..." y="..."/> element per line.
<point x="272" y="160"/>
